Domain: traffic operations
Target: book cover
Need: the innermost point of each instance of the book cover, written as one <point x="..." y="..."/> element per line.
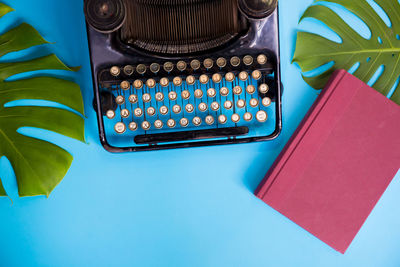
<point x="338" y="163"/>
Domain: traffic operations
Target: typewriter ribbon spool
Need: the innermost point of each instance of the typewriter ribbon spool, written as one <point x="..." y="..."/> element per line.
<point x="105" y="16"/>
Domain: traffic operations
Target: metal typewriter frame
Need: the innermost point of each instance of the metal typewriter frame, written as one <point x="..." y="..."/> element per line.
<point x="107" y="50"/>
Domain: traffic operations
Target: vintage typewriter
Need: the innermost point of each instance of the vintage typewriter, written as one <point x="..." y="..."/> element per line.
<point x="184" y="73"/>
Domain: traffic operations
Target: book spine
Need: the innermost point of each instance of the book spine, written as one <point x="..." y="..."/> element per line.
<point x="296" y="138"/>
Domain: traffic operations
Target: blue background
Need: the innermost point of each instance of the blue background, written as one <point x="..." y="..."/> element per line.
<point x="192" y="207"/>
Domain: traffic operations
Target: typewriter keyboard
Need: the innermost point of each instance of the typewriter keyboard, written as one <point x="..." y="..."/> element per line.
<point x="200" y="99"/>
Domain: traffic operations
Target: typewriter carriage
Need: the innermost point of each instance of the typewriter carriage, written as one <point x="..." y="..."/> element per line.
<point x="108" y="48"/>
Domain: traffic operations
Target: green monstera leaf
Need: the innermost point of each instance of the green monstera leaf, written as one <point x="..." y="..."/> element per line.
<point x="383" y="48"/>
<point x="2" y="191"/>
<point x="38" y="165"/>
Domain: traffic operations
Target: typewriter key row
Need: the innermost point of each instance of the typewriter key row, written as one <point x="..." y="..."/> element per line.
<point x="189" y="108"/>
<point x="191" y="80"/>
<point x="198" y="94"/>
<point x="120" y="127"/>
<point x="195" y="64"/>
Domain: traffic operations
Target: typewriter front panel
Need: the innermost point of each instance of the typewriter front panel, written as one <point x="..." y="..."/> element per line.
<point x="219" y="88"/>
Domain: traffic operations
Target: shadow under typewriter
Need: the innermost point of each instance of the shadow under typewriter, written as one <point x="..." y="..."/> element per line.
<point x="178" y="73"/>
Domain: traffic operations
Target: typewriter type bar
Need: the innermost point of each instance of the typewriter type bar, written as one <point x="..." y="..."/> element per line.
<point x="162" y="95"/>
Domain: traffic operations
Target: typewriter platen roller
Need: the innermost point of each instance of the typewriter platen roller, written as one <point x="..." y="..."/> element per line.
<point x="184" y="73"/>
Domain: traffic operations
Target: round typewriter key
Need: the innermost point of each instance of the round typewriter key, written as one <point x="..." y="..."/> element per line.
<point x="262" y="59"/>
<point x="221" y="62"/>
<point x="237" y="90"/>
<point x="228" y="104"/>
<point x="198" y="93"/>
<point x="190" y="80"/>
<point x="209" y="120"/>
<point x="181" y="65"/>
<point x="171" y="123"/>
<point x="185" y="94"/>
<point x="146" y="98"/>
<point x="151" y="111"/>
<point x="146" y="125"/>
<point x="251" y="89"/>
<point x="241" y="103"/>
<point x="164" y="82"/>
<point x="172" y="95"/>
<point x="125" y="85"/>
<point x="247" y="116"/>
<point x="211" y="92"/>
<point x="224" y="91"/>
<point x="235" y="118"/>
<point x="254" y="102"/>
<point x="125" y="113"/>
<point x="230" y="77"/>
<point x="217" y="78"/>
<point x="138" y="84"/>
<point x="208" y="63"/>
<point x="177" y="81"/>
<point x="215" y="106"/>
<point x="128" y="70"/>
<point x="155" y="68"/>
<point x="184" y="122"/>
<point x="176" y="109"/>
<point x="189" y="108"/>
<point x="151" y="83"/>
<point x="222" y="119"/>
<point x="235" y="61"/>
<point x="120" y="127"/>
<point x="168" y="66"/>
<point x="263" y="88"/>
<point x="248" y="60"/>
<point x="266" y="101"/>
<point x="141" y="68"/>
<point x="196" y="121"/>
<point x="195" y="64"/>
<point x="243" y="76"/>
<point x="256" y="75"/>
<point x="158" y="124"/>
<point x="204" y="79"/>
<point x="110" y="114"/>
<point x="120" y="100"/>
<point x="138" y="112"/>
<point x="159" y="96"/>
<point x="133" y="126"/>
<point x="115" y="71"/>
<point x="203" y="107"/>
<point x="261" y="116"/>
<point x="164" y="110"/>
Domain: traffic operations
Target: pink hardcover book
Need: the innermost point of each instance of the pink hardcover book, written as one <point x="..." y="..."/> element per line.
<point x="338" y="163"/>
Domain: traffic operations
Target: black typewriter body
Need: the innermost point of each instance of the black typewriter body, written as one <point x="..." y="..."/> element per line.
<point x="222" y="88"/>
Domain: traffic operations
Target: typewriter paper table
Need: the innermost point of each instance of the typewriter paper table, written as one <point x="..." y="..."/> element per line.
<point x="190" y="207"/>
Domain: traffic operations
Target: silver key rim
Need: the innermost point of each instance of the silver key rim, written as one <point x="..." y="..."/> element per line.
<point x="261" y="116"/>
<point x="125" y="113"/>
<point x="184" y="122"/>
<point x="133" y="126"/>
<point x="176" y="109"/>
<point x="158" y="124"/>
<point x="110" y="114"/>
<point x="222" y="119"/>
<point x="235" y="118"/>
<point x="120" y="127"/>
<point x="146" y="125"/>
<point x="138" y="112"/>
<point x="151" y="111"/>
